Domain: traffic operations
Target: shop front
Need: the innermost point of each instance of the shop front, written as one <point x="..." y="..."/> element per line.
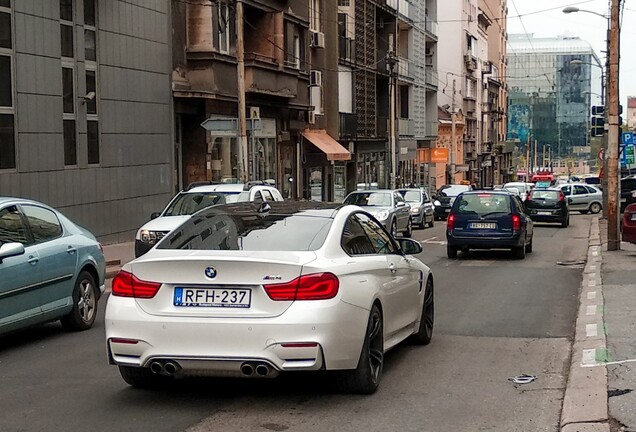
<point x="324" y="165"/>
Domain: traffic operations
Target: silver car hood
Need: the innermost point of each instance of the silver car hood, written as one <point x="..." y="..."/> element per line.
<point x="374" y="210"/>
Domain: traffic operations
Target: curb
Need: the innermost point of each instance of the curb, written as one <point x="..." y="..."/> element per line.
<point x="585" y="401"/>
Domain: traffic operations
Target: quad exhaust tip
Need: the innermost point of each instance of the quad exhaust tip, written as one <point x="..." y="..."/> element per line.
<point x="167" y="368"/>
<point x="260" y="369"/>
<point x="247" y="369"/>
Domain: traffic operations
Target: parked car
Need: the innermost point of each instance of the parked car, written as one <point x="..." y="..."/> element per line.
<point x="628" y="192"/>
<point x="488" y="220"/>
<point x="50" y="268"/>
<point x="253" y="290"/>
<point x="548" y="205"/>
<point x="444" y="198"/>
<point x="196" y="197"/>
<point x="628" y="226"/>
<point x="422" y="209"/>
<point x="523" y="188"/>
<point x="387" y="206"/>
<point x="582" y="197"/>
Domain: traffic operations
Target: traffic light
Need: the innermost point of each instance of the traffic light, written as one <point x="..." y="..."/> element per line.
<point x="598" y="121"/>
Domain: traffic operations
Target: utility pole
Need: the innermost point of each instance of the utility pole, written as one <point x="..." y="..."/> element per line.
<point x="536" y="155"/>
<point x="392" y="61"/>
<point x="613" y="233"/>
<point x="453" y="133"/>
<point x="244" y="174"/>
<point x="528" y="160"/>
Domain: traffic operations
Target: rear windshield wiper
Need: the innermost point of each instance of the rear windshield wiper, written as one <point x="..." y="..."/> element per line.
<point x="492" y="213"/>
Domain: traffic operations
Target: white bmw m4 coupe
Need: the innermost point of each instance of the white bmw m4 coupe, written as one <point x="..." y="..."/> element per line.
<point x="254" y="289"/>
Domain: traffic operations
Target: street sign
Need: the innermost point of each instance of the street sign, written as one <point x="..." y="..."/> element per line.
<point x="439" y="155"/>
<point x="601" y="154"/>
<point x="628" y="138"/>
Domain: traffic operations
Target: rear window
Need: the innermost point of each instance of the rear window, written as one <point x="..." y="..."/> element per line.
<point x="452" y="190"/>
<point x="482" y="204"/>
<point x="545" y="195"/>
<point x="364" y="199"/>
<point x="191" y="202"/>
<point x="593" y="180"/>
<point x="249" y="232"/>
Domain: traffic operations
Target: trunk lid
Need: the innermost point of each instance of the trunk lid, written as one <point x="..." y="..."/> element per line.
<point x="231" y="280"/>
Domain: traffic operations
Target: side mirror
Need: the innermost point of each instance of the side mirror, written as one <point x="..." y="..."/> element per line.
<point x="401" y="204"/>
<point x="8" y="250"/>
<point x="155" y="215"/>
<point x="437" y="203"/>
<point x="410" y="246"/>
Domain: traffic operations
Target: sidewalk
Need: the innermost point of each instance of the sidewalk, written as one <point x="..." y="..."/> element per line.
<point x="618" y="274"/>
<point x="117" y="255"/>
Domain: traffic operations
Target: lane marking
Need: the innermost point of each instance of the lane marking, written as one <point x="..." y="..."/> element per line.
<point x="588" y="358"/>
<point x="591" y="310"/>
<point x="591" y="295"/>
<point x="592" y="268"/>
<point x="591" y="330"/>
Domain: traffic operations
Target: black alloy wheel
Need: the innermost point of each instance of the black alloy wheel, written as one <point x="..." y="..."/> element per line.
<point x="427" y="319"/>
<point x="394" y="231"/>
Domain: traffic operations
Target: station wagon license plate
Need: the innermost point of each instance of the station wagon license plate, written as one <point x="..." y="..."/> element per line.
<point x="212" y="297"/>
<point x="634" y="216"/>
<point x="544" y="213"/>
<point x="482" y="225"/>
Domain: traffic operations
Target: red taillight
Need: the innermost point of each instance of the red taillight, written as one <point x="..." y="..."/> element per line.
<point x="561" y="196"/>
<point x="450" y="223"/>
<point x="127" y="285"/>
<point x="516" y="222"/>
<point x="299" y="345"/>
<point x="124" y="341"/>
<point x="317" y="286"/>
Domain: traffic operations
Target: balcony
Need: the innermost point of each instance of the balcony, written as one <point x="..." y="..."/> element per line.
<point x="401" y="6"/>
<point x="430" y="28"/>
<point x="406" y="127"/>
<point x="430" y="78"/>
<point x="263" y="76"/>
<point x="471" y="62"/>
<point x="430" y="129"/>
<point x="405" y="68"/>
<point x="348" y="125"/>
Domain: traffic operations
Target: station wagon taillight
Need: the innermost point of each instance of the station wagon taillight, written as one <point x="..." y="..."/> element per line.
<point x="516" y="222"/>
<point x="316" y="286"/>
<point x="128" y="285"/>
<point x="450" y="222"/>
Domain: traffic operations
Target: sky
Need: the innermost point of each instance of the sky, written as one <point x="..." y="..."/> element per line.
<point x="592" y="28"/>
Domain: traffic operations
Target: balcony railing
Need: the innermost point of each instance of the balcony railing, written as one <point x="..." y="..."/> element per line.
<point x="406" y="127"/>
<point x="430" y="27"/>
<point x="348" y="125"/>
<point x="431" y="77"/>
<point x="404" y="67"/>
<point x="430" y="128"/>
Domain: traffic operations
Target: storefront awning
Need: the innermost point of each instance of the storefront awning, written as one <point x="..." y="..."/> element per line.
<point x="328" y="145"/>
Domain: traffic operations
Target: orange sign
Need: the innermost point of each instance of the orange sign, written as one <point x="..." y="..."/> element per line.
<point x="439" y="155"/>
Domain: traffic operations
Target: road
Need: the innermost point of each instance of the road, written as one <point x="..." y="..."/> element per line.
<point x="496" y="318"/>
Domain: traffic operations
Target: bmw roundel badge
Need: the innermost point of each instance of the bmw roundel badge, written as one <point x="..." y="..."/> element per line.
<point x="210" y="272"/>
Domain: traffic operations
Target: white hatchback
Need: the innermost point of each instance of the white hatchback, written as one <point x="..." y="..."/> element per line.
<point x="253" y="289"/>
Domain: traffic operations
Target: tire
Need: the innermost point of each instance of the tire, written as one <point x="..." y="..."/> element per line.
<point x="595" y="208"/>
<point x="365" y="379"/>
<point x="139" y="377"/>
<point x="84" y="311"/>
<point x="394" y="231"/>
<point x="409" y="229"/>
<point x="520" y="252"/>
<point x="565" y="223"/>
<point x="451" y="252"/>
<point x="529" y="247"/>
<point x="431" y="223"/>
<point x="584" y="211"/>
<point x="427" y="319"/>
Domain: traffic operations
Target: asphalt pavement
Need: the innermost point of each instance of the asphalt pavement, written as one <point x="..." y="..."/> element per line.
<point x="496" y="317"/>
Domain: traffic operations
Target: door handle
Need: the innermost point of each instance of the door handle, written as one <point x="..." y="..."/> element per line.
<point x="33" y="260"/>
<point x="71" y="249"/>
<point x="392" y="268"/>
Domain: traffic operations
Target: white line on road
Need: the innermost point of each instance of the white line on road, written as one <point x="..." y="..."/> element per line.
<point x="589" y="358"/>
<point x="591" y="330"/>
<point x="591" y="295"/>
<point x="592" y="268"/>
<point x="591" y="310"/>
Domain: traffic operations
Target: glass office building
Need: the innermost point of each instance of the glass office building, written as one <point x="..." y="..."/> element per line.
<point x="553" y="82"/>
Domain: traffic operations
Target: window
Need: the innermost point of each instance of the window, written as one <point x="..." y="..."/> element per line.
<point x="12" y="229"/>
<point x="354" y="240"/>
<point x="91" y="81"/>
<point x="223" y="17"/>
<point x="67" y="40"/>
<point x="380" y="240"/>
<point x="7" y="120"/>
<point x="314" y="15"/>
<point x="294" y="46"/>
<point x="70" y="143"/>
<point x="91" y="87"/>
<point x="68" y="91"/>
<point x="89" y="13"/>
<point x="66" y="10"/>
<point x="591" y="190"/>
<point x="90" y="45"/>
<point x="92" y="131"/>
<point x="44" y="224"/>
<point x="567" y="190"/>
<point x="267" y="195"/>
<point x="482" y="204"/>
<point x="580" y="190"/>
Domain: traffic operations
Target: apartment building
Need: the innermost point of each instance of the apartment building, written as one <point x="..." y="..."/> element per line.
<point x="85" y="109"/>
<point x="631" y="112"/>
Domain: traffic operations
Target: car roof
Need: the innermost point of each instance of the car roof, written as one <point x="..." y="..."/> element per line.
<point x="489" y="192"/>
<point x="4" y="200"/>
<point x="231" y="187"/>
<point x="290" y="207"/>
<point x="366" y="191"/>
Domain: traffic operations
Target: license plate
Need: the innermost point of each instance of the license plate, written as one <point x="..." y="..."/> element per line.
<point x="212" y="297"/>
<point x="623" y="200"/>
<point x="447" y="210"/>
<point x="544" y="213"/>
<point x="483" y="225"/>
<point x="634" y="216"/>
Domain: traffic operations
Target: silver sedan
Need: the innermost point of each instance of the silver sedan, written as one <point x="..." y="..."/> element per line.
<point x="583" y="197"/>
<point x="422" y="208"/>
<point x="387" y="206"/>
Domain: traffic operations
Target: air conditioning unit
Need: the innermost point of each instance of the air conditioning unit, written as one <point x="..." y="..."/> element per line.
<point x="255" y="112"/>
<point x="311" y="117"/>
<point x="315" y="78"/>
<point x="317" y="39"/>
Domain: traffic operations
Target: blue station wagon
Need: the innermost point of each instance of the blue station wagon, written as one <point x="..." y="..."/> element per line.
<point x="488" y="220"/>
<point x="50" y="268"/>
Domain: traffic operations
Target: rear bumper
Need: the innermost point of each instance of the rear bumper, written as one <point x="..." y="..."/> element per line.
<point x="332" y="334"/>
<point x="484" y="242"/>
<point x="556" y="217"/>
<point x="629" y="232"/>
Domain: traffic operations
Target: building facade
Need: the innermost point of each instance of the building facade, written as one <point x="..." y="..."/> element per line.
<point x="85" y="109"/>
<point x="553" y="82"/>
<point x="631" y="112"/>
